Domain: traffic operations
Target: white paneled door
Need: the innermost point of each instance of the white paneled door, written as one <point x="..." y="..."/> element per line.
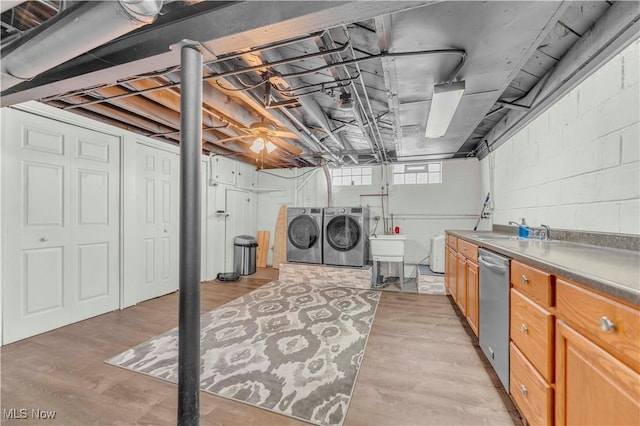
<point x="158" y="209"/>
<point x="61" y="224"/>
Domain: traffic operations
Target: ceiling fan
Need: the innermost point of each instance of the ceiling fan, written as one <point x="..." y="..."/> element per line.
<point x="261" y="134"/>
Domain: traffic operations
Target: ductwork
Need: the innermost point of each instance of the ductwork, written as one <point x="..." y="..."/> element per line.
<point x="79" y="31"/>
<point x="9" y="4"/>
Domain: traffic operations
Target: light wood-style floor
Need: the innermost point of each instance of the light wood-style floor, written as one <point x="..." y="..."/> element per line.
<point x="421" y="366"/>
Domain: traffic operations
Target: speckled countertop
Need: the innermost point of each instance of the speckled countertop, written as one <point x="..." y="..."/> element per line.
<point x="612" y="271"/>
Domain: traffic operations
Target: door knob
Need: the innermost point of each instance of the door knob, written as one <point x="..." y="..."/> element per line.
<point x="165" y="231"/>
<point x="606" y="324"/>
<point x="523" y="390"/>
<point x="524" y="279"/>
<point x="524" y="328"/>
<point x="44" y="239"/>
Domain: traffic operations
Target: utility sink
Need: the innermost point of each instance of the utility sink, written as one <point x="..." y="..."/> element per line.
<point x="387" y="248"/>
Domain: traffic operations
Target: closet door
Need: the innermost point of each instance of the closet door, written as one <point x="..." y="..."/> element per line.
<point x="60" y="224"/>
<point x="158" y="203"/>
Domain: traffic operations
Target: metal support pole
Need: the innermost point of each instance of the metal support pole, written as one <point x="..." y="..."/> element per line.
<point x="190" y="157"/>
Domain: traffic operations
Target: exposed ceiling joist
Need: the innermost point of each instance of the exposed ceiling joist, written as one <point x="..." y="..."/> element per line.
<point x="147" y="49"/>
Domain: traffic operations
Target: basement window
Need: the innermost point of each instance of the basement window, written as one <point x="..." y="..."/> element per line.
<point x="351" y="176"/>
<point x="407" y="174"/>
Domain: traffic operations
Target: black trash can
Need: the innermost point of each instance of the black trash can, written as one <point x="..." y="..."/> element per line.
<point x="244" y="254"/>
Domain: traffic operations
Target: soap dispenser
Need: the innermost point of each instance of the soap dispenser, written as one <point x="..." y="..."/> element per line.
<point x="523" y="229"/>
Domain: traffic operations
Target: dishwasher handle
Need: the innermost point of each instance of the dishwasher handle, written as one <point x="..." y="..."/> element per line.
<point x="501" y="269"/>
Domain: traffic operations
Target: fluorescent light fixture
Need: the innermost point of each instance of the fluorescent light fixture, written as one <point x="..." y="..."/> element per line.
<point x="257" y="145"/>
<point x="445" y="101"/>
<point x="270" y="147"/>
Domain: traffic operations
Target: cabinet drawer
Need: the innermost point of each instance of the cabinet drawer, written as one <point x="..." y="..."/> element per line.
<point x="529" y="390"/>
<point x="468" y="250"/>
<point x="610" y="324"/>
<point x="452" y="242"/>
<point x="533" y="282"/>
<point x="532" y="330"/>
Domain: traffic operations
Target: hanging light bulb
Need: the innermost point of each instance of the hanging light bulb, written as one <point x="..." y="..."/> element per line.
<point x="257" y="145"/>
<point x="270" y="147"/>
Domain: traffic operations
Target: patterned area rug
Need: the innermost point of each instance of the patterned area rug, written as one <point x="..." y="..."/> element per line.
<point x="286" y="347"/>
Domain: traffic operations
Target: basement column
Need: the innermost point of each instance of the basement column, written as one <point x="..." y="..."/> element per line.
<point x="190" y="157"/>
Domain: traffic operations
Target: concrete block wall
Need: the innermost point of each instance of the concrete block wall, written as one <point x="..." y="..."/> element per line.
<point x="577" y="165"/>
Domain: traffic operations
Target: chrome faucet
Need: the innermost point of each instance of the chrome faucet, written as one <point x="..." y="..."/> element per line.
<point x="547" y="234"/>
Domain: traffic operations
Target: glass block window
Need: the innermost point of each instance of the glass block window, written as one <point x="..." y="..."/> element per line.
<point x="408" y="174"/>
<point x="351" y="176"/>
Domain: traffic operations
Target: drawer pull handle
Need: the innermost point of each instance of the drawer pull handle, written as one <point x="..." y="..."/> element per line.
<point x="523" y="390"/>
<point x="606" y="324"/>
<point x="524" y="279"/>
<point x="524" y="328"/>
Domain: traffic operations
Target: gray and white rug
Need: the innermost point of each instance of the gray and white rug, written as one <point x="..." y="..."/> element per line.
<point x="291" y="348"/>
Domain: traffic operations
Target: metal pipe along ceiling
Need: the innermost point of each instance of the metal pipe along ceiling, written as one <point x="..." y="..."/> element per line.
<point x="81" y="30"/>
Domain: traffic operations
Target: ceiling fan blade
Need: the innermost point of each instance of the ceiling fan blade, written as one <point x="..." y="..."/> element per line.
<point x="235" y="138"/>
<point x="282" y="133"/>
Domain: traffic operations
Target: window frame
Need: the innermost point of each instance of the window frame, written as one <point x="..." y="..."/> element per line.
<point x="347" y="172"/>
<point x="417" y="173"/>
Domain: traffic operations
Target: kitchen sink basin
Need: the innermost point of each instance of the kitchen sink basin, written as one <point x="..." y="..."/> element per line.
<point x="494" y="237"/>
<point x="507" y="237"/>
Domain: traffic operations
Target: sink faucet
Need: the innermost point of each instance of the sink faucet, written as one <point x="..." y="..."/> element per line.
<point x="547" y="235"/>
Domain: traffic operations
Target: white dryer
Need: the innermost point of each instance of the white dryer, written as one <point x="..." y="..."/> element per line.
<point x="304" y="235"/>
<point x="346" y="236"/>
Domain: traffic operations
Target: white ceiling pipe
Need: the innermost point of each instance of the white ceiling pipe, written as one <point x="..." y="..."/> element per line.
<point x="9" y="4"/>
<point x="83" y="29"/>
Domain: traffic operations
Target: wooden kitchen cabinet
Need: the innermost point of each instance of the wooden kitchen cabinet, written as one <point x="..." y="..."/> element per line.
<point x="536" y="284"/>
<point x="532" y="331"/>
<point x="574" y="352"/>
<point x="610" y="324"/>
<point x="473" y="296"/>
<point x="597" y="351"/>
<point x="461" y="284"/>
<point x="451" y="269"/>
<point x="462" y="279"/>
<point x="592" y="386"/>
<point x="530" y="391"/>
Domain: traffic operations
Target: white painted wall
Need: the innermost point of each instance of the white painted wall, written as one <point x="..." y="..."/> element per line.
<point x="576" y="166"/>
<point x="293" y="187"/>
<point x="421" y="211"/>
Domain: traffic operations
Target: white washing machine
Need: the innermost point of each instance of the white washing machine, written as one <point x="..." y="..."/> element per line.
<point x="346" y="236"/>
<point x="304" y="235"/>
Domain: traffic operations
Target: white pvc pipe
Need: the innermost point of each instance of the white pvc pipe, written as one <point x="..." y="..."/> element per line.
<point x="9" y="4"/>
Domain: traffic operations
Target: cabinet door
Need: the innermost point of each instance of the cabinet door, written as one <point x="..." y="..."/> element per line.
<point x="461" y="284"/>
<point x="446" y="271"/>
<point x="223" y="170"/>
<point x="246" y="176"/>
<point x="451" y="271"/>
<point x="593" y="387"/>
<point x="472" y="296"/>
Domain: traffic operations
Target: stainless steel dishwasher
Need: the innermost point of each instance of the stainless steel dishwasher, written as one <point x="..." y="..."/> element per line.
<point x="494" y="311"/>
